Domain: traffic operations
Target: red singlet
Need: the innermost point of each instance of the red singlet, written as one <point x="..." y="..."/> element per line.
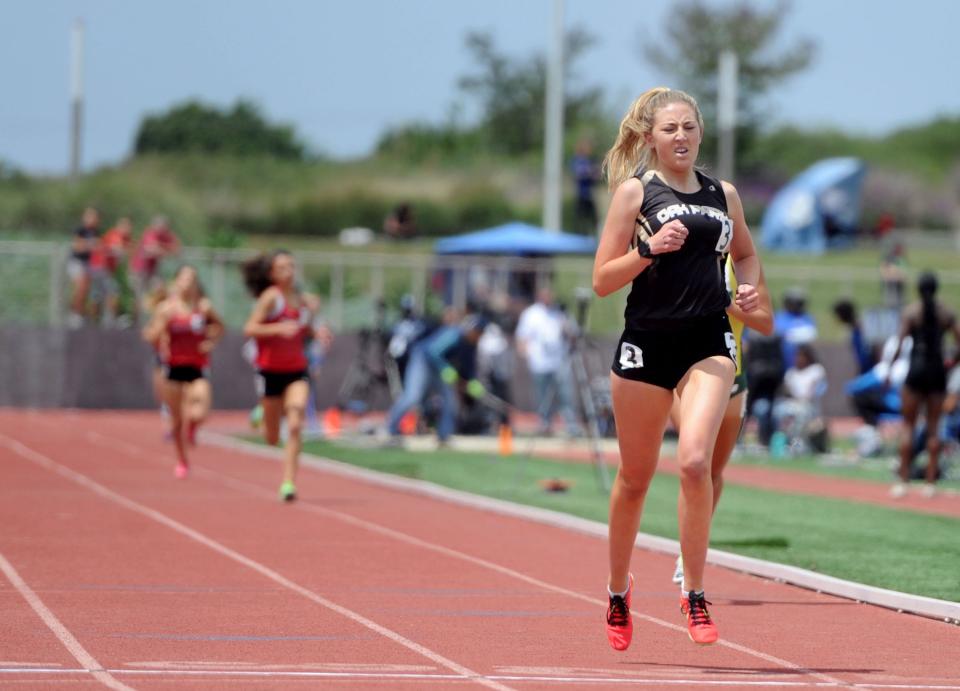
<point x="280" y="354"/>
<point x="186" y="332"/>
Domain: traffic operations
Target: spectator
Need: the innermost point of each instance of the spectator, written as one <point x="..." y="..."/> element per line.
<point x="805" y="382"/>
<point x="846" y="313"/>
<point x="400" y="223"/>
<point x="893" y="275"/>
<point x="874" y="394"/>
<point x="586" y="174"/>
<point x="765" y="370"/>
<point x="542" y="335"/>
<point x="411" y="328"/>
<point x="793" y="324"/>
<point x="157" y="242"/>
<point x="926" y="322"/>
<point x="446" y="358"/>
<point x="84" y="242"/>
<point x="105" y="266"/>
<point x="495" y="365"/>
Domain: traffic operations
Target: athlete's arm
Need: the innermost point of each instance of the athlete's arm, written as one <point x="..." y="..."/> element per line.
<point x="761" y="318"/>
<point x="615" y="265"/>
<point x="746" y="263"/>
<point x="215" y="329"/>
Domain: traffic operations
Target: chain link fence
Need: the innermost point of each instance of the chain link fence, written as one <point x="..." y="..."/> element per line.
<point x="359" y="287"/>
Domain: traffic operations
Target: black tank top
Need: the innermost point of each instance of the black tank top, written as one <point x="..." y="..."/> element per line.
<point x="690" y="282"/>
<point x="927" y="352"/>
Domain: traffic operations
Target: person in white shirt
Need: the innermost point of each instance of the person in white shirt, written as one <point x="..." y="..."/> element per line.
<point x="805" y="383"/>
<point x="542" y="337"/>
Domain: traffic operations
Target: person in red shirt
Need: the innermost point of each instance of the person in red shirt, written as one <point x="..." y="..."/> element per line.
<point x="281" y="325"/>
<point x="184" y="329"/>
<point x="104" y="263"/>
<point x="156" y="243"/>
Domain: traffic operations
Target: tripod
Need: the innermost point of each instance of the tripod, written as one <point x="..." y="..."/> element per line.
<point x="372" y="376"/>
<point x="581" y="379"/>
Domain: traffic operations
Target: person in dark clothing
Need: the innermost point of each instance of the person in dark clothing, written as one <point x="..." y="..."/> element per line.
<point x="667" y="232"/>
<point x="586" y="174"/>
<point x="444" y="359"/>
<point x="84" y="240"/>
<point x="926" y="322"/>
<point x="846" y="313"/>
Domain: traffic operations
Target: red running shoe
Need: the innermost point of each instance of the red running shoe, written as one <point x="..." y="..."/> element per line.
<point x="619" y="621"/>
<point x="700" y="626"/>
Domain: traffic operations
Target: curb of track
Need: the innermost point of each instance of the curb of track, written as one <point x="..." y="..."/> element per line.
<point x="943" y="610"/>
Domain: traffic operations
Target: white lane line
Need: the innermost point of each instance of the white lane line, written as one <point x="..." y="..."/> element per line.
<point x="84" y="481"/>
<point x="525" y="678"/>
<point x="417" y="542"/>
<point x="66" y="638"/>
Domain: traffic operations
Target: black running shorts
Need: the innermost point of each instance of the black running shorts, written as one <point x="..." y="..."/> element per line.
<point x="270" y="384"/>
<point x="662" y="356"/>
<point x="185" y="374"/>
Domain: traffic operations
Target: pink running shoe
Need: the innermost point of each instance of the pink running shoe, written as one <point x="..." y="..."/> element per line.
<point x="700" y="626"/>
<point x="180" y="471"/>
<point x="619" y="621"/>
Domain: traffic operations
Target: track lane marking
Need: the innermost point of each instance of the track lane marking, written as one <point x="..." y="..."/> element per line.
<point x="49" y="464"/>
<point x="251" y="488"/>
<point x="281" y="674"/>
<point x="67" y="639"/>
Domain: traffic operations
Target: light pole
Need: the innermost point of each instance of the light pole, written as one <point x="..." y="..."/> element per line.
<point x="76" y="96"/>
<point x="553" y="127"/>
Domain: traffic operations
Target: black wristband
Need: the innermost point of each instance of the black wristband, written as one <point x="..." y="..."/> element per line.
<point x="643" y="249"/>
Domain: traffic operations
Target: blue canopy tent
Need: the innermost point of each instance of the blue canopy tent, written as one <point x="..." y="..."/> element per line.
<point x="521" y="250"/>
<point x="516" y="239"/>
<point x="818" y="209"/>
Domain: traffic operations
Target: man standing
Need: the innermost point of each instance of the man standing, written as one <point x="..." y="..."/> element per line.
<point x="542" y="337"/>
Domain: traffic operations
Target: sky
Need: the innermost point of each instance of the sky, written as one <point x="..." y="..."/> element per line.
<point x="343" y="71"/>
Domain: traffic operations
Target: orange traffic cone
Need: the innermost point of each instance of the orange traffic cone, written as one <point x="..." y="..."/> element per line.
<point x="506" y="440"/>
<point x="408" y="423"/>
<point x="332" y="423"/>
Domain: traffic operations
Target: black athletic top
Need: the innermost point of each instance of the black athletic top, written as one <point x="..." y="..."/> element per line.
<point x="688" y="283"/>
<point x="926" y="355"/>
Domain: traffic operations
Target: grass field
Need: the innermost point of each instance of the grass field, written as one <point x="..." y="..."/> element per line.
<point x="895" y="549"/>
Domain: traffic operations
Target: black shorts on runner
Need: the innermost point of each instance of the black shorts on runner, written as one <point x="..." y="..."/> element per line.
<point x="185" y="374"/>
<point x="270" y="384"/>
<point x="662" y="356"/>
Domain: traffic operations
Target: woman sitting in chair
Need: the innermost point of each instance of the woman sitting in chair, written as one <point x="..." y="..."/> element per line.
<point x="805" y="383"/>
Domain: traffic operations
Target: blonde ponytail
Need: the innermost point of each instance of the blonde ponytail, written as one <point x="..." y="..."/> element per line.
<point x="630" y="152"/>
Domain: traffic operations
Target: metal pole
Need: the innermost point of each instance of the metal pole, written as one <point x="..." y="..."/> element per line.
<point x="727" y="114"/>
<point x="76" y="97"/>
<point x="553" y="127"/>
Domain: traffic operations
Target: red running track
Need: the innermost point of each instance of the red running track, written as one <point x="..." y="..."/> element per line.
<point x="116" y="575"/>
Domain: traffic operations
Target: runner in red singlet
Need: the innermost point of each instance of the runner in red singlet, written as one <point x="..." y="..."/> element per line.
<point x="184" y="329"/>
<point x="281" y="325"/>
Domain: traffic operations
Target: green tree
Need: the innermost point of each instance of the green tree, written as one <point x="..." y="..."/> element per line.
<point x="512" y="93"/>
<point x="196" y="127"/>
<point x="688" y="50"/>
